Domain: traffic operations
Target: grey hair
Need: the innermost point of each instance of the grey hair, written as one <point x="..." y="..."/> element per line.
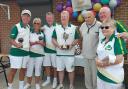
<point x="85" y="13"/>
<point x="49" y="13"/>
<point x="111" y="23"/>
<point x="36" y="19"/>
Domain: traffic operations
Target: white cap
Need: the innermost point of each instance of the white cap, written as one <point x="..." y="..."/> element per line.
<point x="26" y="12"/>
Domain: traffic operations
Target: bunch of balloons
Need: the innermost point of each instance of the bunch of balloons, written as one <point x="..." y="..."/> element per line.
<point x="96" y="6"/>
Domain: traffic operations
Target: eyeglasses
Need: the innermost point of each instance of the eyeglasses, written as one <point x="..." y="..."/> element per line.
<point x="37" y="23"/>
<point x="104" y="27"/>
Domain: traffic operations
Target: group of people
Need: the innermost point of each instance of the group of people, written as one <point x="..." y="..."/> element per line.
<point x="53" y="45"/>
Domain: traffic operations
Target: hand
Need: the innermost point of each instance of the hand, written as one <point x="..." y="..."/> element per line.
<point x="99" y="63"/>
<point x="123" y="35"/>
<point x="19" y="45"/>
<point x="40" y="42"/>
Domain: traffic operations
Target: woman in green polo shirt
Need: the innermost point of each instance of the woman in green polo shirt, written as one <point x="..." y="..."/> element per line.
<point x="36" y="53"/>
<point x="111" y="49"/>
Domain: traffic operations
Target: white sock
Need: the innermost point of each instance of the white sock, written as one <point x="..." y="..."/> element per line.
<point x="48" y="78"/>
<point x="37" y="86"/>
<point x="9" y="85"/>
<point x="55" y="79"/>
<point x="21" y="84"/>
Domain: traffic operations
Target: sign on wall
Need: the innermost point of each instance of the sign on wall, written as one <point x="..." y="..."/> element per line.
<point x="79" y="5"/>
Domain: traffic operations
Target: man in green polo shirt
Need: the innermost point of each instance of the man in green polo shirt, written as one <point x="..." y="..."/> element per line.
<point x="65" y="37"/>
<point x="105" y="15"/>
<point x="19" y="52"/>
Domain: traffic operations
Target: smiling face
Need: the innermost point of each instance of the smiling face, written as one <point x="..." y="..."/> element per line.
<point x="50" y="19"/>
<point x="25" y="19"/>
<point x="64" y="17"/>
<point x="37" y="24"/>
<point x="105" y="14"/>
<point x="108" y="28"/>
<point x="89" y="18"/>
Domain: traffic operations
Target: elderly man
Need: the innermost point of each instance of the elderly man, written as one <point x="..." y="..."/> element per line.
<point x="19" y="52"/>
<point x="50" y="51"/>
<point x="89" y="31"/>
<point x="65" y="37"/>
<point x="105" y="16"/>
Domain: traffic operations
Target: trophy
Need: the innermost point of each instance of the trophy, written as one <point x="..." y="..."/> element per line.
<point x="65" y="37"/>
<point x="20" y="40"/>
<point x="40" y="38"/>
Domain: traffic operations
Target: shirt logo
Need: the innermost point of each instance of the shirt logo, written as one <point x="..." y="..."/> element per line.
<point x="108" y="47"/>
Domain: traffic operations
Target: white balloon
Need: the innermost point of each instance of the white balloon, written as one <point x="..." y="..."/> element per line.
<point x="113" y="3"/>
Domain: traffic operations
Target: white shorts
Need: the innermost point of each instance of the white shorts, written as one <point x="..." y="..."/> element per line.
<point x="19" y="62"/>
<point x="34" y="63"/>
<point x="105" y="85"/>
<point x="65" y="62"/>
<point x="49" y="60"/>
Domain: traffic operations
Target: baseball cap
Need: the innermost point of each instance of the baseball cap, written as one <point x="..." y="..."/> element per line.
<point x="25" y="12"/>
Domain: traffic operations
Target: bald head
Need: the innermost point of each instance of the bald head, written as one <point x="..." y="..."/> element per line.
<point x="105" y="14"/>
<point x="64" y="17"/>
<point x="89" y="17"/>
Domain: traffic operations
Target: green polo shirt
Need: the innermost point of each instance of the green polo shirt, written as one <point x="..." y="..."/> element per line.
<point x="13" y="35"/>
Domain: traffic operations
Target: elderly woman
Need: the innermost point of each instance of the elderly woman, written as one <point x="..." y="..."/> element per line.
<point x="110" y="58"/>
<point x="36" y="53"/>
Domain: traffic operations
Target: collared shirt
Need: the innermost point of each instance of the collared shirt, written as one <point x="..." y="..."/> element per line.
<point x="19" y="31"/>
<point x="90" y="39"/>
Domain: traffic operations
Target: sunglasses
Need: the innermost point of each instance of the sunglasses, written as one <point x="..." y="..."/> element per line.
<point x="37" y="23"/>
<point x="104" y="27"/>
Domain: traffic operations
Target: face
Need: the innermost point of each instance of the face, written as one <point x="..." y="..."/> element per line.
<point x="104" y="15"/>
<point x="64" y="18"/>
<point x="37" y="25"/>
<point x="89" y="18"/>
<point x="25" y="19"/>
<point x="50" y="19"/>
<point x="107" y="30"/>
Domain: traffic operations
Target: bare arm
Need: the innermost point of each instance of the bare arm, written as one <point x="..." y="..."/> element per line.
<point x="54" y="41"/>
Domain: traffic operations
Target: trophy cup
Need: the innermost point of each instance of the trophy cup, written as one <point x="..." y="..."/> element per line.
<point x="65" y="37"/>
<point x="20" y="40"/>
<point x="40" y="38"/>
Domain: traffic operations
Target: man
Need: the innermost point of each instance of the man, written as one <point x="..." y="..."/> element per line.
<point x="89" y="31"/>
<point x="105" y="15"/>
<point x="65" y="37"/>
<point x="19" y="52"/>
<point x="50" y="52"/>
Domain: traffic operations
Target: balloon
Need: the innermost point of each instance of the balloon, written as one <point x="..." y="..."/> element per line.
<point x="74" y="15"/>
<point x="119" y="2"/>
<point x="95" y="1"/>
<point x="97" y="7"/>
<point x="69" y="9"/>
<point x="68" y="4"/>
<point x="59" y="7"/>
<point x="80" y="18"/>
<point x="105" y="1"/>
<point x="112" y="4"/>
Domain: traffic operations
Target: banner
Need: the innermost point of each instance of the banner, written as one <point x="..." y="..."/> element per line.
<point x="79" y="5"/>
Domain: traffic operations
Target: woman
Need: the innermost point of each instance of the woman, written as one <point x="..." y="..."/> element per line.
<point x="36" y="53"/>
<point x="110" y="58"/>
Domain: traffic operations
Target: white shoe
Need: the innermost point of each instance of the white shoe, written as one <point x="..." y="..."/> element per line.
<point x="27" y="86"/>
<point x="45" y="83"/>
<point x="60" y="86"/>
<point x="10" y="88"/>
<point x="71" y="87"/>
<point x="37" y="86"/>
<point x="54" y="84"/>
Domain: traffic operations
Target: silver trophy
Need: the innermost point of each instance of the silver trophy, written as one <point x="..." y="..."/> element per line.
<point x="65" y="37"/>
<point x="20" y="40"/>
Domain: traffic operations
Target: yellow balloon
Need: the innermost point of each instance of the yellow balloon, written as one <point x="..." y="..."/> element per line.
<point x="97" y="7"/>
<point x="80" y="18"/>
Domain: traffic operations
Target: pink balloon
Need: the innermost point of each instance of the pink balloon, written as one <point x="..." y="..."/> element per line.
<point x="69" y="9"/>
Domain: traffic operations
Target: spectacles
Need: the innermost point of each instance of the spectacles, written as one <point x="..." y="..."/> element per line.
<point x="37" y="23"/>
<point x="104" y="27"/>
